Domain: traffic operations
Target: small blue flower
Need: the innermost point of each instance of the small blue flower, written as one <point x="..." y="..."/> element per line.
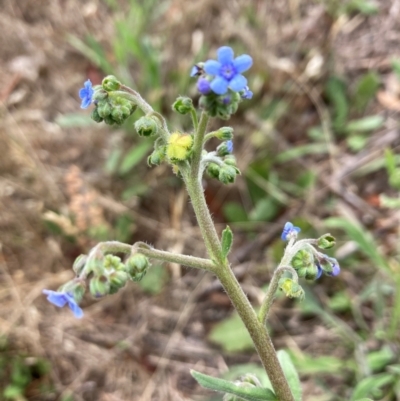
<point x="335" y="267"/>
<point x="247" y="93"/>
<point x="203" y="85"/>
<point x="227" y="71"/>
<point x="60" y="299"/>
<point x="289" y="230"/>
<point x="86" y="94"/>
<point x="229" y="146"/>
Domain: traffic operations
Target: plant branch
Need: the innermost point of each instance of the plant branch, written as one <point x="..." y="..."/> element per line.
<point x="270" y="294"/>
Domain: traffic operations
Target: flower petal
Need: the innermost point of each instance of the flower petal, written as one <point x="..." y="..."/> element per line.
<point x="76" y="310"/>
<point x="56" y="298"/>
<point x="242" y="63"/>
<point x="212" y="67"/>
<point x="219" y="85"/>
<point x="225" y="55"/>
<point x="237" y="83"/>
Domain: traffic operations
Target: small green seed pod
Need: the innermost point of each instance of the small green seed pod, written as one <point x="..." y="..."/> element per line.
<point x="136" y="266"/>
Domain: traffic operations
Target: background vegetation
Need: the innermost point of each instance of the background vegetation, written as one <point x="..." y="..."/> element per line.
<point x="318" y="145"/>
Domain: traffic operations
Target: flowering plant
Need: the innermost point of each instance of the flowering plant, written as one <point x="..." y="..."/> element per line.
<point x="222" y="88"/>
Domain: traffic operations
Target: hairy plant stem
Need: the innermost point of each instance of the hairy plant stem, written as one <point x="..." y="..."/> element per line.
<point x="270" y="294"/>
<point x="256" y="329"/>
<point x="113" y="247"/>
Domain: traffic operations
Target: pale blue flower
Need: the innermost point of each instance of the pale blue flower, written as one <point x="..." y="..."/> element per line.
<point x="86" y="94"/>
<point x="227" y="71"/>
<point x="60" y="299"/>
<point x="289" y="230"/>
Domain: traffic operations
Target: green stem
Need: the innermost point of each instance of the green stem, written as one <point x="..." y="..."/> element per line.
<point x="114" y="247"/>
<point x="258" y="332"/>
<point x="273" y="286"/>
<point x="195" y="120"/>
<point x="256" y="329"/>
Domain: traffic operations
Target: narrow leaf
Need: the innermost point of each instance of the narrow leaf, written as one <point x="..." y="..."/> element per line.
<point x="224" y="386"/>
<point x="227" y="240"/>
<point x="291" y="374"/>
<point x="369" y="384"/>
<point x="369" y="123"/>
<point x="135" y="154"/>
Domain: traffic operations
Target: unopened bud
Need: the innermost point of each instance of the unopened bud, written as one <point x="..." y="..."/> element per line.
<point x="79" y="264"/>
<point x="326" y="241"/>
<point x="157" y="157"/>
<point x="224" y="133"/>
<point x="99" y="286"/>
<point x="227" y="174"/>
<point x="136" y="266"/>
<point x="183" y="105"/>
<point x="146" y="126"/>
<point x="111" y="83"/>
<point x="117" y="280"/>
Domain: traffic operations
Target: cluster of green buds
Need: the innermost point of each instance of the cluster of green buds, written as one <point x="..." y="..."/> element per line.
<point x="108" y="273"/>
<point x="110" y="106"/>
<point x="308" y="262"/>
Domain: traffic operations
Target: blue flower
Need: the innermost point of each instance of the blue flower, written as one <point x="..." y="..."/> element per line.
<point x="195" y="71"/>
<point x="289" y="230"/>
<point x="335" y="267"/>
<point x="86" y="94"/>
<point x="227" y="71"/>
<point x="229" y="146"/>
<point x="60" y="299"/>
<point x="203" y="85"/>
<point x="247" y="93"/>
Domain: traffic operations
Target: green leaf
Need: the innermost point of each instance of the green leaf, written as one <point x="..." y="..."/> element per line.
<point x="135" y="154"/>
<point x="368" y="385"/>
<point x="396" y="67"/>
<point x="224" y="386"/>
<point x="378" y="360"/>
<point x="369" y="123"/>
<point x="357" y="142"/>
<point x="227" y="240"/>
<point x="336" y="92"/>
<point x="363" y="238"/>
<point x="12" y="392"/>
<point x="366" y="89"/>
<point x="231" y="335"/>
<point x="291" y="374"/>
<point x="234" y="212"/>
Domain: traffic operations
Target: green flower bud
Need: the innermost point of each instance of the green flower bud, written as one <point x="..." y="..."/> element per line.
<point x="104" y="109"/>
<point x="111" y="83"/>
<point x="312" y="272"/>
<point x="230" y="160"/>
<point x="223" y="149"/>
<point x="302" y="259"/>
<point x="146" y="126"/>
<point x="227" y="174"/>
<point x="224" y="133"/>
<point x="117" y="280"/>
<point x="76" y="287"/>
<point x="99" y="94"/>
<point x="213" y="170"/>
<point x="109" y="120"/>
<point x="183" y="105"/>
<point x="136" y="266"/>
<point x="95" y="116"/>
<point x="112" y="262"/>
<point x="157" y="157"/>
<point x="326" y="241"/>
<point x="99" y="286"/>
<point x="291" y="288"/>
<point x="79" y="264"/>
